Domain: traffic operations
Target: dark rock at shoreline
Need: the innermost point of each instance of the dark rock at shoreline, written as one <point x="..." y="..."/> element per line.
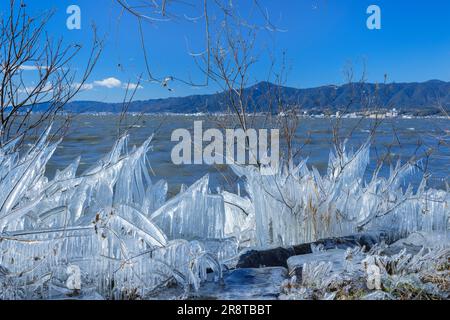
<point x="267" y="258"/>
<point x="278" y="256"/>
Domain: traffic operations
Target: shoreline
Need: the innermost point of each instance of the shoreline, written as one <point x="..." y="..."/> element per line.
<point x="202" y="114"/>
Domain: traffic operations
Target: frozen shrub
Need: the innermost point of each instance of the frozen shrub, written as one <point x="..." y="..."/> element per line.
<point x="111" y="222"/>
<point x="298" y="205"/>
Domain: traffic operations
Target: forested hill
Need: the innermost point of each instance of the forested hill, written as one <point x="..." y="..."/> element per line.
<point x="413" y="98"/>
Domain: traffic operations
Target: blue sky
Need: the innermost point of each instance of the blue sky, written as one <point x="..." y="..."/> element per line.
<point x="320" y="37"/>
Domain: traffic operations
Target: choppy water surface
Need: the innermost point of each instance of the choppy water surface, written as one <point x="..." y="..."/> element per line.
<point x="91" y="136"/>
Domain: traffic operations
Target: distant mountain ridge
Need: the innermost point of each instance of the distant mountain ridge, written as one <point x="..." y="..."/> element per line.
<point x="421" y="98"/>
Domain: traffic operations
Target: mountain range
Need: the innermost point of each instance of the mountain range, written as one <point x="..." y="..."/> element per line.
<point x="412" y="98"/>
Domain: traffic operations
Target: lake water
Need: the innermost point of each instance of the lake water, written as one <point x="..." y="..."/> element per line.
<point x="91" y="136"/>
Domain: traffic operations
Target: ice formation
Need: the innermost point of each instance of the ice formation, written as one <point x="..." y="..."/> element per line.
<point x="111" y="222"/>
<point x="298" y="205"/>
<point x="116" y="227"/>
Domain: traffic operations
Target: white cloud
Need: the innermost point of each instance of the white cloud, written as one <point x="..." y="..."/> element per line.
<point x="108" y="83"/>
<point x="31" y="68"/>
<point x="112" y="82"/>
<point x="132" y="86"/>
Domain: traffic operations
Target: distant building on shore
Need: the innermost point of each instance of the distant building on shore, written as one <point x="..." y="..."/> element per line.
<point x="381" y="114"/>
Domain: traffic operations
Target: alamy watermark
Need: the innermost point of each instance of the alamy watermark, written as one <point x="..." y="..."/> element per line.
<point x="374" y="20"/>
<point x="236" y="146"/>
<point x="73" y="22"/>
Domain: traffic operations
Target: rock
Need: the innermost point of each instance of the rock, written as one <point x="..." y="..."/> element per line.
<point x="302" y="248"/>
<point x="278" y="256"/>
<point x="244" y="284"/>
